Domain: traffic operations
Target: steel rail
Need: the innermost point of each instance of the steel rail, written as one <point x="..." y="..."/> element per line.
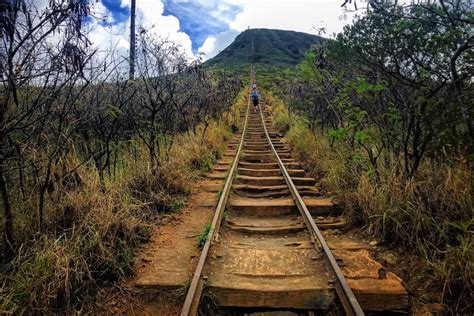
<point x="349" y="302"/>
<point x="193" y="296"/>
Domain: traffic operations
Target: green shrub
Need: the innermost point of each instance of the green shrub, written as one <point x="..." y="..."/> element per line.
<point x="93" y="230"/>
<point x="202" y="238"/>
<point x="430" y="216"/>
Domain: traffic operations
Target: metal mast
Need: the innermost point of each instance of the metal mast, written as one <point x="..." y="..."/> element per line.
<point x="132" y="39"/>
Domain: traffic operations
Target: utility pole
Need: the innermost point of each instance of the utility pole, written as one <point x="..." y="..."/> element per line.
<point x="132" y="39"/>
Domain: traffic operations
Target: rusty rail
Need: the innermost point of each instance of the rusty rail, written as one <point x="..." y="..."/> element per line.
<point x="348" y="300"/>
<point x="193" y="296"/>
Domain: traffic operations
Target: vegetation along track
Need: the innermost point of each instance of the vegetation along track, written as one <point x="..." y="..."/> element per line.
<point x="270" y="254"/>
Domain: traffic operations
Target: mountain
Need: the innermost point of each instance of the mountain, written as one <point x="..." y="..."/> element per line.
<point x="276" y="47"/>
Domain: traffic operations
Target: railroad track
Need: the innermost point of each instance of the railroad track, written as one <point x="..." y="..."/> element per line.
<point x="264" y="250"/>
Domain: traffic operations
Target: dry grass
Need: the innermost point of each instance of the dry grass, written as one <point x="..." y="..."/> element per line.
<point x="430" y="216"/>
<point x="94" y="228"/>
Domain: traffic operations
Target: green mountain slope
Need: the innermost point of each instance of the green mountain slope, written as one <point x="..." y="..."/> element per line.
<point x="276" y="47"/>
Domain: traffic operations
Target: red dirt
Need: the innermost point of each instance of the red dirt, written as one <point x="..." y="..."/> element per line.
<point x="169" y="257"/>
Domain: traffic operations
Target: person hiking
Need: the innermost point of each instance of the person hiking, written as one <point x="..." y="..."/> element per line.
<point x="255" y="100"/>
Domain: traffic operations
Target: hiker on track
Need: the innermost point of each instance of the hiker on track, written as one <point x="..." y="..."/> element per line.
<point x="255" y="99"/>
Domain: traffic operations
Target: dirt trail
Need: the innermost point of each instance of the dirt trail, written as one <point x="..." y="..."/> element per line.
<point x="265" y="257"/>
<point x="165" y="264"/>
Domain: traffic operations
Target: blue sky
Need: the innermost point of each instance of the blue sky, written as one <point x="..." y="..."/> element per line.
<point x="208" y="26"/>
<point x="197" y="20"/>
<point x="120" y="14"/>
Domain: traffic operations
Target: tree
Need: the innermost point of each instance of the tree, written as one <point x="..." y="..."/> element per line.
<point x="391" y="72"/>
<point x="34" y="71"/>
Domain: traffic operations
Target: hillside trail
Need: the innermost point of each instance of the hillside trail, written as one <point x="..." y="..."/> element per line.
<point x="264" y="256"/>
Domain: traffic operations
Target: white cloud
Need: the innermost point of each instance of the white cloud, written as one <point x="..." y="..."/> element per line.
<point x="214" y="44"/>
<point x="149" y="16"/>
<point x="297" y="15"/>
<point x="208" y="46"/>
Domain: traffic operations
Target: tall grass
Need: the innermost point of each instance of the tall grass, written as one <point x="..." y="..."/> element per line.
<point x="430" y="216"/>
<point x="94" y="227"/>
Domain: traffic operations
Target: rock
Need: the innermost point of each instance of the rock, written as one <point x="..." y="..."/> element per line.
<point x="373" y="243"/>
<point x="340" y="261"/>
<point x="387" y="259"/>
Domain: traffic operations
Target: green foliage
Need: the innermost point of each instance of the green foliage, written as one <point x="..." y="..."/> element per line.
<point x="366" y="136"/>
<point x="362" y="86"/>
<point x="202" y="238"/>
<point x="338" y="134"/>
<point x="387" y="85"/>
<point x="281" y="122"/>
<point x="206" y="163"/>
<point x="430" y="215"/>
<point x="392" y="114"/>
<point x="94" y="227"/>
<point x="225" y="216"/>
<point x="176" y="205"/>
<point x="274" y="47"/>
<point x="56" y="273"/>
<point x="379" y="113"/>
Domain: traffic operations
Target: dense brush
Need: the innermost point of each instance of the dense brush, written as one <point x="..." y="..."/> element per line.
<point x="430" y="215"/>
<point x="94" y="228"/>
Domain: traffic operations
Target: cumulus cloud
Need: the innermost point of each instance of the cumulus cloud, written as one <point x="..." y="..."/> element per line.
<point x="309" y="16"/>
<point x="297" y="15"/>
<point x="208" y="26"/>
<point x="214" y="44"/>
<point x="150" y="16"/>
<point x="202" y="19"/>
